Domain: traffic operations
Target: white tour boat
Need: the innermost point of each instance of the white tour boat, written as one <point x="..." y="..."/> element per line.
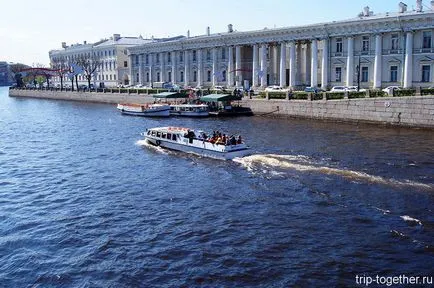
<point x="190" y="141"/>
<point x="148" y="110"/>
<point x="191" y="110"/>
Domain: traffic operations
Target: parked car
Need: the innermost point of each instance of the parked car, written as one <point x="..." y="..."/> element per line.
<point x="354" y="89"/>
<point x="219" y="88"/>
<point x="338" y="89"/>
<point x="274" y="88"/>
<point x="389" y="90"/>
<point x="313" y="90"/>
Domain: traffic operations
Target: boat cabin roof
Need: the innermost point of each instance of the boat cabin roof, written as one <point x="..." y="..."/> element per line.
<point x="171" y="129"/>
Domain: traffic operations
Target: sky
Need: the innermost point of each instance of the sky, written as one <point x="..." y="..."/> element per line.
<point x="30" y="29"/>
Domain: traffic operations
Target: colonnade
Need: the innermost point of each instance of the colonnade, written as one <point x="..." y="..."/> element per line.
<point x="267" y="59"/>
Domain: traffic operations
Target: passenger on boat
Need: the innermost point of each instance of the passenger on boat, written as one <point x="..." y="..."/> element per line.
<point x="233" y="141"/>
<point x="239" y="141"/>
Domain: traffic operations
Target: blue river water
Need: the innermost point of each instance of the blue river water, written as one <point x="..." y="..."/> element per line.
<point x="85" y="202"/>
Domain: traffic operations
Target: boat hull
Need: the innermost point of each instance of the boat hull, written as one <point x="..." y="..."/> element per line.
<point x="151" y="111"/>
<point x="189" y="113"/>
<point x="198" y="150"/>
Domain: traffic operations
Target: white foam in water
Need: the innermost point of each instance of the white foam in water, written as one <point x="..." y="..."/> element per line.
<point x="304" y="164"/>
<point x="146" y="144"/>
<point x="410" y="219"/>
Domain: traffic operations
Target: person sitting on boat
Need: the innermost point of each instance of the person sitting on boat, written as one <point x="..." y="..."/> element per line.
<point x="239" y="140"/>
<point x="224" y="138"/>
<point x="233" y="141"/>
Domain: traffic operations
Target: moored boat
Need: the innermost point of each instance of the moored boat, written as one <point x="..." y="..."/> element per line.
<point x="190" y="110"/>
<point x="148" y="110"/>
<point x="196" y="142"/>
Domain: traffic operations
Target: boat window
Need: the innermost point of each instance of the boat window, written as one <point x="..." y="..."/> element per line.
<point x="174" y="137"/>
<point x="153" y="133"/>
<point x="164" y="135"/>
<point x="149" y="132"/>
<point x="158" y="134"/>
<point x="169" y="136"/>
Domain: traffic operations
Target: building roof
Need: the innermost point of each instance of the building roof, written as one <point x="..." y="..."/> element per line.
<point x="124" y="41"/>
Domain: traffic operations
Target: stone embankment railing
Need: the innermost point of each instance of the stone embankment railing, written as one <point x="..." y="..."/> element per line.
<point x="416" y="110"/>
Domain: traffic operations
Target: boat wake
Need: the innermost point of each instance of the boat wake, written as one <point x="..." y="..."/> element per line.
<point x="274" y="164"/>
<point x="158" y="149"/>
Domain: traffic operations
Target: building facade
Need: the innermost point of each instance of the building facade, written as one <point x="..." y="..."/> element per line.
<point x="377" y="50"/>
<point x="110" y="53"/>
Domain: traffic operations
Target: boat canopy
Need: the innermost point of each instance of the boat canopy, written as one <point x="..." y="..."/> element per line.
<point x="170" y="95"/>
<point x="219" y="98"/>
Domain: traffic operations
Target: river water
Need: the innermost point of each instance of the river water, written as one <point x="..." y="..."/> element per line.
<point x="84" y="202"/>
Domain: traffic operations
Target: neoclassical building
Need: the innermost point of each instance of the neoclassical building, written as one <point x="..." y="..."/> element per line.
<point x="394" y="48"/>
<point x="112" y="53"/>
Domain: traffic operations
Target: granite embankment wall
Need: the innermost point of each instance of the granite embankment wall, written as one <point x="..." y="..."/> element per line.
<point x="412" y="111"/>
<point x="112" y="98"/>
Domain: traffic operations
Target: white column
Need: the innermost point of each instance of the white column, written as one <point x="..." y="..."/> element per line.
<point x="173" y="60"/>
<point x="275" y="64"/>
<point x="141" y="69"/>
<point x="186" y="68"/>
<point x="282" y="66"/>
<point x="314" y="64"/>
<point x="130" y="70"/>
<point x="162" y="70"/>
<point x="264" y="65"/>
<point x="299" y="72"/>
<point x="292" y="65"/>
<point x="377" y="62"/>
<point x="230" y="72"/>
<point x="408" y="65"/>
<point x="151" y="79"/>
<point x="325" y="64"/>
<point x="214" y="67"/>
<point x="239" y="76"/>
<point x="255" y="69"/>
<point x="199" y="67"/>
<point x="350" y="62"/>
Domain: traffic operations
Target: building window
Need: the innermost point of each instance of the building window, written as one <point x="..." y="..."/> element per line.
<point x="110" y="77"/>
<point x="365" y="75"/>
<point x="125" y="64"/>
<point x="194" y="55"/>
<point x="224" y="53"/>
<point x="147" y="59"/>
<point x="169" y="76"/>
<point x="208" y="55"/>
<point x="338" y="73"/>
<point x="110" y="65"/>
<point x="105" y="53"/>
<point x="426" y="71"/>
<point x="208" y="77"/>
<point x="158" y="58"/>
<point x="137" y="59"/>
<point x="338" y="45"/>
<point x="194" y="76"/>
<point x="365" y="44"/>
<point x="393" y="73"/>
<point x="395" y="41"/>
<point x="114" y="77"/>
<point x="158" y="76"/>
<point x="182" y="76"/>
<point x="224" y="75"/>
<point x="426" y="39"/>
<point x="147" y="77"/>
<point x="181" y="57"/>
<point x="137" y="77"/>
<point x="169" y="58"/>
